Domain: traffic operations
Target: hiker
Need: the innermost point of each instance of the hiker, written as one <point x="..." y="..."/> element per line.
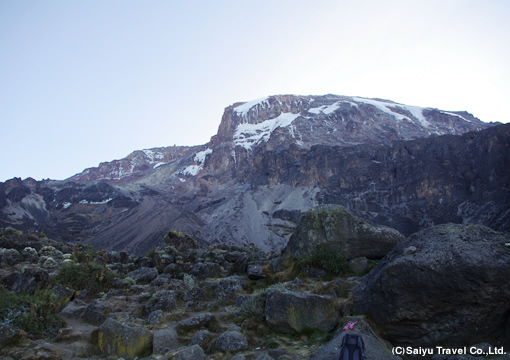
<point x="352" y="348"/>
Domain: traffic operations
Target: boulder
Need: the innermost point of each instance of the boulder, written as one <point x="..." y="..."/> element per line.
<point x="232" y="341"/>
<point x="193" y="352"/>
<point x="145" y="261"/>
<point x="73" y="310"/>
<point x="263" y="356"/>
<point x="195" y="321"/>
<point x="255" y="272"/>
<point x="93" y="315"/>
<point x="161" y="280"/>
<point x="155" y="317"/>
<point x="118" y="339"/>
<point x="195" y="293"/>
<point x="358" y="265"/>
<point x="201" y="337"/>
<point x="162" y="300"/>
<point x="165" y="340"/>
<point x="239" y="261"/>
<point x="375" y="346"/>
<point x="238" y="357"/>
<point x="340" y="231"/>
<point x="230" y="286"/>
<point x="206" y="270"/>
<point x="292" y="312"/>
<point x="143" y="275"/>
<point x="452" y="290"/>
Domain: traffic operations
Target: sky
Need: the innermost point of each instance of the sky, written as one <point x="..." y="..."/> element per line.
<point x="83" y="82"/>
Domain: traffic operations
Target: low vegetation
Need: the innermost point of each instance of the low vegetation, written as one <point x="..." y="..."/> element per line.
<point x="322" y="257"/>
<point x="35" y="314"/>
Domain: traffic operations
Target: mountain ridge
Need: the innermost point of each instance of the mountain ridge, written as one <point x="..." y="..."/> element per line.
<point x="245" y="124"/>
<point x="271" y="160"/>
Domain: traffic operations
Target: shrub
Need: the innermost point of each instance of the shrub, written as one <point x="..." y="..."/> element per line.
<point x="35" y="314"/>
<point x="85" y="253"/>
<point x="91" y="276"/>
<point x="324" y="258"/>
<point x="255" y="306"/>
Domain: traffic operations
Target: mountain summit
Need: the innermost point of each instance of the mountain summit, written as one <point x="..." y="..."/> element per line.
<point x="283" y="120"/>
<point x="273" y="159"/>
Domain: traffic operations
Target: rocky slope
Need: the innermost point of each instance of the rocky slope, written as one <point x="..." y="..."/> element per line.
<point x="273" y="159"/>
<point x="180" y="301"/>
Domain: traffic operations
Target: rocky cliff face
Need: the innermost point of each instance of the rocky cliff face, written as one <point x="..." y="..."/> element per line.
<point x="273" y="159"/>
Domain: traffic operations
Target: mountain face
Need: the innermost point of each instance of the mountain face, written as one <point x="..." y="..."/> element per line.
<point x="273" y="159"/>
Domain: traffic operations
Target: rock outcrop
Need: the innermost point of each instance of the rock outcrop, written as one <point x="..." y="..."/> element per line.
<point x="451" y="291"/>
<point x="340" y="231"/>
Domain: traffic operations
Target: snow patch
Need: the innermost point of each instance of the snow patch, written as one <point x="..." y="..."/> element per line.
<point x="385" y="106"/>
<point x="247" y="135"/>
<point x="244" y="108"/>
<point x="66" y="205"/>
<point x="192" y="170"/>
<point x="159" y="164"/>
<point x="199" y="158"/>
<point x="96" y="202"/>
<point x="328" y="109"/>
<point x="152" y="155"/>
<point x="453" y="114"/>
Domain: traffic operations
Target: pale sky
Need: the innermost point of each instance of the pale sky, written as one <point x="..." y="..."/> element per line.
<point x="82" y="82"/>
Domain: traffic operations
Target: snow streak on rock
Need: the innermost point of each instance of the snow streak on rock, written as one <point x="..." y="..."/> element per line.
<point x="199" y="160"/>
<point x="248" y="135"/>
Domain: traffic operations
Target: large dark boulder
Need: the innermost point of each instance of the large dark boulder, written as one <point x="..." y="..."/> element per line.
<point x="143" y="275"/>
<point x="446" y="285"/>
<point x="292" y="312"/>
<point x="232" y="341"/>
<point x="164" y="300"/>
<point x="339" y="230"/>
<point x="119" y="339"/>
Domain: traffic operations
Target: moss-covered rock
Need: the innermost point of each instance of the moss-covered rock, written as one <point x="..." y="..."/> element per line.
<point x="116" y="338"/>
<point x="337" y="229"/>
<point x="293" y="312"/>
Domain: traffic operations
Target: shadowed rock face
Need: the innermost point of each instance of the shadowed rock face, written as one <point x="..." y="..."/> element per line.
<point x="291" y="312"/>
<point x="451" y="290"/>
<point x="271" y="161"/>
<point x="340" y="231"/>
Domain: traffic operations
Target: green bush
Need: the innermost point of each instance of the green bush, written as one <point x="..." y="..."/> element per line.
<point x="324" y="258"/>
<point x="85" y="253"/>
<point x="92" y="276"/>
<point x="35" y="314"/>
<point x="255" y="306"/>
